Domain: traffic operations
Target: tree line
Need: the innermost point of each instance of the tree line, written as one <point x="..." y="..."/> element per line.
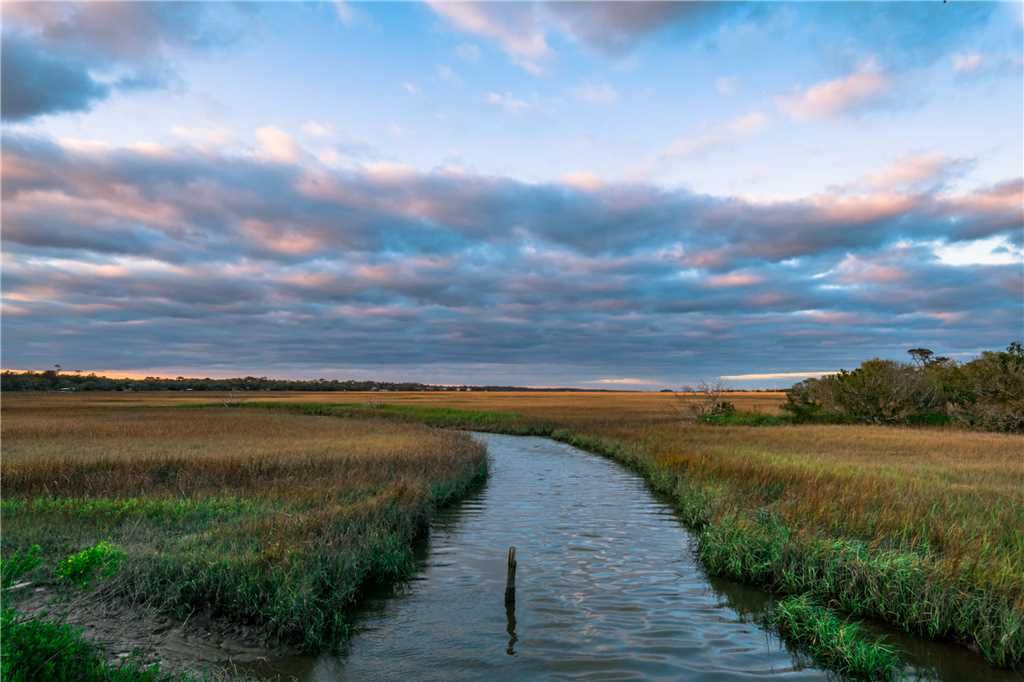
<point x="60" y="380"/>
<point x="984" y="393"/>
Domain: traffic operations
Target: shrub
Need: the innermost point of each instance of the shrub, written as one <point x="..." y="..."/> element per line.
<point x="985" y="393"/>
<point x="101" y="560"/>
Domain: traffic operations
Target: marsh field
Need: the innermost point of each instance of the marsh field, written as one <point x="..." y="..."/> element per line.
<point x="260" y="520"/>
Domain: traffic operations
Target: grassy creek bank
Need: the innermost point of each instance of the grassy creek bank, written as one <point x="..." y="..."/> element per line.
<point x="818" y="511"/>
<point x="274" y="523"/>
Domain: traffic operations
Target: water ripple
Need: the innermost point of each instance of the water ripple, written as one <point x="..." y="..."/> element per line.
<point x="608" y="589"/>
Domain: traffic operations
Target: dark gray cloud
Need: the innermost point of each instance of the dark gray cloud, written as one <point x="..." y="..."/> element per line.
<point x="34" y="82"/>
<point x="616" y="27"/>
<point x="180" y="259"/>
<point x="66" y="56"/>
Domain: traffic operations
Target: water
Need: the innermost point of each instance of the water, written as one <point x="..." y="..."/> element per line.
<point x="607" y="588"/>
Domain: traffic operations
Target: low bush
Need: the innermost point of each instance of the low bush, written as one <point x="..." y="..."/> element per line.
<point x="102" y="560"/>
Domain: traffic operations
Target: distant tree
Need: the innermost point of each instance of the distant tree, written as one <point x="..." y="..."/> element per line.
<point x="922" y="356"/>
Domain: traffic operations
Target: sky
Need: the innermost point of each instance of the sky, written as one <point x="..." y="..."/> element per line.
<point x="607" y="195"/>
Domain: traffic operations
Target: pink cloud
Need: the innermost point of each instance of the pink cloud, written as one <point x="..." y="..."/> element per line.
<point x="514" y="26"/>
<point x="277" y="145"/>
<point x="911" y="171"/>
<point x="853" y="270"/>
<point x="717" y="136"/>
<point x="281" y="239"/>
<point x="836" y="97"/>
<point x="734" y="279"/>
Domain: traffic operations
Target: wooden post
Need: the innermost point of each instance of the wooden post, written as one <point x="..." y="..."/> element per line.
<point x="510" y="575"/>
<point x="510" y="602"/>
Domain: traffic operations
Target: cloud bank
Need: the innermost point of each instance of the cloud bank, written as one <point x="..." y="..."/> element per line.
<point x="176" y="257"/>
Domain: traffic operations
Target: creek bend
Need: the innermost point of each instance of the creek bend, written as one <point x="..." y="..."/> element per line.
<point x="608" y="587"/>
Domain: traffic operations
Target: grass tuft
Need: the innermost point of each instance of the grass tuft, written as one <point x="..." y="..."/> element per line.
<point x="833" y="642"/>
<point x="19" y="564"/>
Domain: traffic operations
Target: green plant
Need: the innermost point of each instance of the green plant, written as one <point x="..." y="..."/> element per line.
<point x="17" y="564"/>
<point x="741" y="418"/>
<point x="835" y="643"/>
<point x="102" y="560"/>
<point x="38" y="650"/>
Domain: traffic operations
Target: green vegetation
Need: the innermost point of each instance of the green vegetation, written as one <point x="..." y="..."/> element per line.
<point x="833" y="642"/>
<point x="38" y="650"/>
<point x="99" y="561"/>
<point x="985" y="393"/>
<point x="741" y="418"/>
<point x="271" y="519"/>
<point x="18" y="564"/>
<point x="250" y="509"/>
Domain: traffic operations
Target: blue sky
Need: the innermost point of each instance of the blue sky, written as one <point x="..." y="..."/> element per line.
<point x="594" y="194"/>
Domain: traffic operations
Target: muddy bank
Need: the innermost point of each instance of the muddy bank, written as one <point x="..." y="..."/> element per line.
<point x="197" y="644"/>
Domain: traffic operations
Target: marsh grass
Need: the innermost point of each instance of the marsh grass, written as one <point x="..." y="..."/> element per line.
<point x="273" y="519"/>
<point x="834" y="642"/>
<point x="922" y="528"/>
<point x="442" y="417"/>
<point x="919" y="528"/>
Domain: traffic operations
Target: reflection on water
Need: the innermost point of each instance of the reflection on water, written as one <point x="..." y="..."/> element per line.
<point x="607" y="587"/>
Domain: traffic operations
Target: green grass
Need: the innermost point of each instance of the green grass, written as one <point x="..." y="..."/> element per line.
<point x="38" y="650"/>
<point x="833" y="642"/>
<point x="742" y="418"/>
<point x="18" y="564"/>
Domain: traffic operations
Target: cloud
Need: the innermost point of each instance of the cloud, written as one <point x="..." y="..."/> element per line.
<point x="316" y="129"/>
<point x="506" y="102"/>
<point x="35" y="83"/>
<point x="524" y="30"/>
<point x="918" y="172"/>
<point x="716" y="136"/>
<point x="411" y="88"/>
<point x="967" y="62"/>
<point x="774" y="375"/>
<point x="837" y="97"/>
<point x="734" y="279"/>
<point x="115" y="255"/>
<point x="616" y="27"/>
<point x="515" y="27"/>
<point x="527" y="31"/>
<point x="51" y="51"/>
<point x="277" y="145"/>
<point x="596" y="93"/>
<point x="623" y="381"/>
<point x="343" y="10"/>
<point x="206" y="137"/>
<point x="583" y="180"/>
